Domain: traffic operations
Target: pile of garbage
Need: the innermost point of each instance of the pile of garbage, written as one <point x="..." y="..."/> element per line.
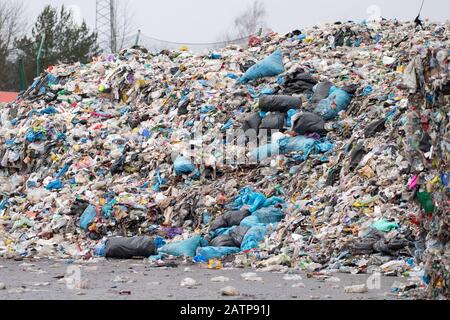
<point x="325" y="150"/>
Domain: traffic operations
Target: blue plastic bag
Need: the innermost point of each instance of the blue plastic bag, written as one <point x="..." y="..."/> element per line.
<point x="253" y="238"/>
<point x="269" y="215"/>
<point x="186" y="248"/>
<point x="250" y="198"/>
<point x="55" y="185"/>
<point x="88" y="217"/>
<point x="207" y="253"/>
<point x="63" y="171"/>
<point x="227" y="125"/>
<point x="269" y="67"/>
<point x="183" y="166"/>
<point x="219" y="232"/>
<point x="306" y="146"/>
<point x="290" y="114"/>
<point x="108" y="208"/>
<point x="100" y="250"/>
<point x="337" y="101"/>
<point x="250" y="222"/>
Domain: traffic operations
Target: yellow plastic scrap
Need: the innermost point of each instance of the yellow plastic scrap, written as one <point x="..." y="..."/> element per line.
<point x="367" y="172"/>
<point x="184" y="48"/>
<point x="54" y="157"/>
<point x="214" y="264"/>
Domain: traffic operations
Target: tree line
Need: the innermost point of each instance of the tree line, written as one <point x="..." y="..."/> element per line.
<point x="64" y="40"/>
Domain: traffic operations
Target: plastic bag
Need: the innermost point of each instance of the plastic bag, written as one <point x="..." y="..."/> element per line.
<point x="309" y="123"/>
<point x="273" y="121"/>
<point x="321" y="91"/>
<point x="229" y="219"/>
<point x="253" y="238"/>
<point x="385" y="226"/>
<point x="337" y="101"/>
<point x="269" y="67"/>
<point x="208" y="253"/>
<point x="183" y="166"/>
<point x="426" y="202"/>
<point x="127" y="248"/>
<point x="88" y="217"/>
<point x="269" y="215"/>
<point x="305" y="146"/>
<point x="55" y="185"/>
<point x="252" y="121"/>
<point x="279" y="103"/>
<point x="251" y="222"/>
<point x="233" y="238"/>
<point x="184" y="248"/>
<point x="250" y="198"/>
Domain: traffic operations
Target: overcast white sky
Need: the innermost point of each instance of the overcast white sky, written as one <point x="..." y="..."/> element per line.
<point x="205" y="20"/>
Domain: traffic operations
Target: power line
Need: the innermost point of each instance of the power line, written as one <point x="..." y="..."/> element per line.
<point x="22" y="47"/>
<point x="198" y="43"/>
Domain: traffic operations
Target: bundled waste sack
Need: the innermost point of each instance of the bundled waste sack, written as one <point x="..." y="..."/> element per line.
<point x="229" y="219"/>
<point x="254" y="237"/>
<point x="127" y="248"/>
<point x="183" y="166"/>
<point x="273" y="121"/>
<point x="321" y="92"/>
<point x="269" y="67"/>
<point x="307" y="123"/>
<point x="337" y="101"/>
<point x="207" y="253"/>
<point x="186" y="248"/>
<point x="252" y="121"/>
<point x="231" y="238"/>
<point x="278" y="103"/>
<point x="298" y="82"/>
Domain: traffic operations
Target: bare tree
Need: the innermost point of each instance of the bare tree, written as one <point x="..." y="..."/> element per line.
<point x="251" y="20"/>
<point x="247" y="23"/>
<point x="12" y="26"/>
<point x="12" y="22"/>
<point x="124" y="25"/>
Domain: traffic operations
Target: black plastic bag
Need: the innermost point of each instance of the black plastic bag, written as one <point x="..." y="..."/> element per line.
<point x="229" y="219"/>
<point x="252" y="121"/>
<point x="233" y="239"/>
<point x="279" y="103"/>
<point x="127" y="248"/>
<point x="238" y="235"/>
<point x="224" y="240"/>
<point x="273" y="121"/>
<point x="309" y="123"/>
<point x="322" y="92"/>
<point x="299" y="82"/>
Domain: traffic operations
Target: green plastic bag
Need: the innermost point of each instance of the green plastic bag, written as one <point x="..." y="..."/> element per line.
<point x="426" y="202"/>
<point x="385" y="226"/>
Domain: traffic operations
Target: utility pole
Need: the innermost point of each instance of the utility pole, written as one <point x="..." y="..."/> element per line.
<point x="105" y="25"/>
<point x="112" y="8"/>
<point x="39" y="55"/>
<point x="138" y="38"/>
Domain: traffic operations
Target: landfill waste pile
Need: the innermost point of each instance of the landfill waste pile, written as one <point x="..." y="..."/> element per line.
<point x="325" y="150"/>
